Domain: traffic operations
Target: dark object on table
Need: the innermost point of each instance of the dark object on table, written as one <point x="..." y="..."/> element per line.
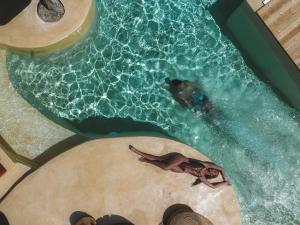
<point x="3" y="219"/>
<point x="11" y="8"/>
<point x="50" y="10"/>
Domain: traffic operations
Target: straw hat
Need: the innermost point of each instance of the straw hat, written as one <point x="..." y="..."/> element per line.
<point x="188" y="218"/>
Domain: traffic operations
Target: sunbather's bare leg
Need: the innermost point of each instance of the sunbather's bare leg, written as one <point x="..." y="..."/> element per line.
<point x="145" y="155"/>
<point x="166" y="157"/>
<point x="170" y="161"/>
<point x="173" y="167"/>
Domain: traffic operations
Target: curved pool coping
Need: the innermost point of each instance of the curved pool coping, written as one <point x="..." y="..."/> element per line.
<point x="27" y="32"/>
<point x="28" y="132"/>
<point x="102" y="177"/>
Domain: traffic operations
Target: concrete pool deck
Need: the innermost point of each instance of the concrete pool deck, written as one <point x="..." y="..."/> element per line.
<point x="282" y="17"/>
<point x="103" y="177"/>
<point x="28" y="31"/>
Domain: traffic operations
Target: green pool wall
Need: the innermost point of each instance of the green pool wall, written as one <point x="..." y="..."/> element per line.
<point x="268" y="58"/>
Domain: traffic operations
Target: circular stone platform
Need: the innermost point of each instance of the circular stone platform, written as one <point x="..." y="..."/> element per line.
<point x="103" y="177"/>
<point x="28" y="31"/>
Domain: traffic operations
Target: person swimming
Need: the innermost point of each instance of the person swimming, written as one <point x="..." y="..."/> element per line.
<point x="190" y="95"/>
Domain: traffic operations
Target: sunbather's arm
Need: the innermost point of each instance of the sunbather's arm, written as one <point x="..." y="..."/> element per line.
<point x="214" y="166"/>
<point x="218" y="184"/>
<point x="213" y="185"/>
<point x="206" y="182"/>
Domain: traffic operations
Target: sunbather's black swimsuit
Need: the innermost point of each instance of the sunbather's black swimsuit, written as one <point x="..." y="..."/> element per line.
<point x="196" y="165"/>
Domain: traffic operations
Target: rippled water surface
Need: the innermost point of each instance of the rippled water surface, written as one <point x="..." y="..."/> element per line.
<point x="120" y="70"/>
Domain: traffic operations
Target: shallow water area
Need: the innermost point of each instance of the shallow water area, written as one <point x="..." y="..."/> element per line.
<point x="119" y="70"/>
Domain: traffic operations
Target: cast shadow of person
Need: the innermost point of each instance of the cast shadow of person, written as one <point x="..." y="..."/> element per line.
<point x="104" y="220"/>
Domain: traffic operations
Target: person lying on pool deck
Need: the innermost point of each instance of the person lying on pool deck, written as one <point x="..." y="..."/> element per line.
<point x="178" y="163"/>
<point x="190" y="95"/>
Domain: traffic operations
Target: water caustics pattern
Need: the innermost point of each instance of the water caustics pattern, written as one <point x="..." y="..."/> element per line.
<point x="120" y="68"/>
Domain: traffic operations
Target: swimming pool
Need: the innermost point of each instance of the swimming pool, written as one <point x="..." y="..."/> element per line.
<point x="119" y="70"/>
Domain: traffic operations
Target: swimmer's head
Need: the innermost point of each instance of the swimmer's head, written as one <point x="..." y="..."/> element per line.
<point x="176" y="82"/>
<point x="174" y="86"/>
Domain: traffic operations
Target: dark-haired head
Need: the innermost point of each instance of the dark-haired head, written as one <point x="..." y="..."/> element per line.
<point x="175" y="82"/>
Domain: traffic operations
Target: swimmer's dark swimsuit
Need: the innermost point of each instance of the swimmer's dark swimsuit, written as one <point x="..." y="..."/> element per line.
<point x="200" y="98"/>
<point x="190" y="95"/>
<point x="200" y="102"/>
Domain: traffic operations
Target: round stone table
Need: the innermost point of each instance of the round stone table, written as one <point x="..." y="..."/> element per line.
<point x="28" y="31"/>
<point x="103" y="177"/>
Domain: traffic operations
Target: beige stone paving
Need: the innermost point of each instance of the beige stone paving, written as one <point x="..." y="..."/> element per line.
<point x="25" y="129"/>
<point x="28" y="31"/>
<point x="103" y="177"/>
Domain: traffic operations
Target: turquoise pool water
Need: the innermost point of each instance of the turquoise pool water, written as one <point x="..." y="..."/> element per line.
<point x="119" y="70"/>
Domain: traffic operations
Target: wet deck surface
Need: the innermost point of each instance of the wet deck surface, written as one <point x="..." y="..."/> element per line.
<point x="282" y="17"/>
<point x="103" y="177"/>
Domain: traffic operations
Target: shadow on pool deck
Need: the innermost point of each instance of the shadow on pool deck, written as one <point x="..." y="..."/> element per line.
<point x="97" y="127"/>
